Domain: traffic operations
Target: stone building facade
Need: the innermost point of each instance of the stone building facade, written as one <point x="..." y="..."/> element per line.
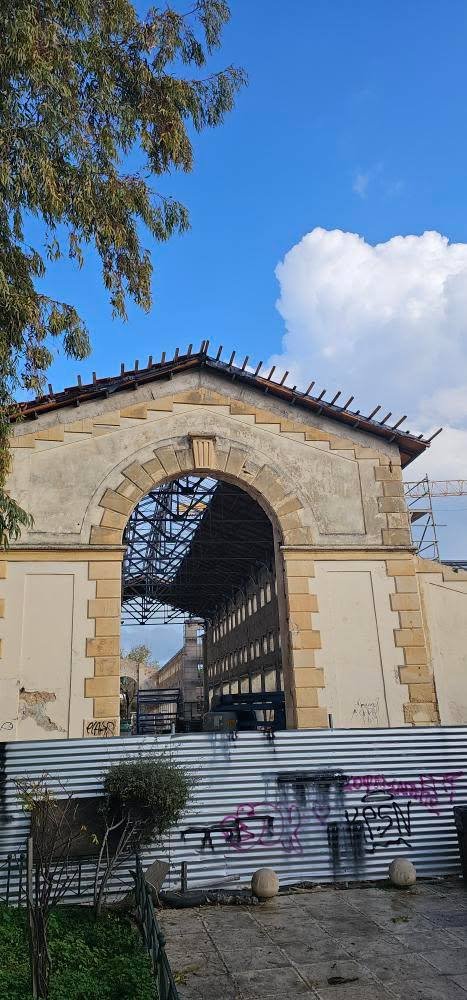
<point x="243" y="645"/>
<point x="184" y="671"/>
<point x="370" y="635"/>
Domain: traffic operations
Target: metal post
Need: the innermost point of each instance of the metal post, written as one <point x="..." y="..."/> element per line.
<point x="30" y="902"/>
<point x="20" y="878"/>
<point x="8" y="877"/>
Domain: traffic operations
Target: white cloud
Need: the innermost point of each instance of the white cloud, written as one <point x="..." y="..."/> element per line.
<point x="445" y="459"/>
<point x="386" y="322"/>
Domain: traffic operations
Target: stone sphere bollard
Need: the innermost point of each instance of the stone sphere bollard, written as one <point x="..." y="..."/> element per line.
<point x="402" y="872"/>
<point x="265" y="883"/>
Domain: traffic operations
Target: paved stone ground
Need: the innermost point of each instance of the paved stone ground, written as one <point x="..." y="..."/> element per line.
<point x="386" y="943"/>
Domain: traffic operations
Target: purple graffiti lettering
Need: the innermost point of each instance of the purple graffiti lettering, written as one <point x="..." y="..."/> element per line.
<point x="430" y="790"/>
<point x="256" y="832"/>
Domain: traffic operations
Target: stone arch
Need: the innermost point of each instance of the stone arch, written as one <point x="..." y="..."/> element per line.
<point x="200" y="455"/>
<point x="122" y="489"/>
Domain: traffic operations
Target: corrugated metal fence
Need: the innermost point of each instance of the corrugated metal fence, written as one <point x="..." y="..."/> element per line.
<point x="314" y="805"/>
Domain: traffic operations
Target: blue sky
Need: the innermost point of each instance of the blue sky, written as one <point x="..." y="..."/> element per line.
<point x="337" y="90"/>
<point x="354" y="120"/>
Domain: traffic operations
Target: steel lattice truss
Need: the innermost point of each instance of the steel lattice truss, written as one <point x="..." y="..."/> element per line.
<point x="190" y="545"/>
<point x="157" y="536"/>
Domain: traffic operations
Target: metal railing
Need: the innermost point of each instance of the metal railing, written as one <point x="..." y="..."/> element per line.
<point x="12" y="878"/>
<point x="80" y="880"/>
<point x="153" y="937"/>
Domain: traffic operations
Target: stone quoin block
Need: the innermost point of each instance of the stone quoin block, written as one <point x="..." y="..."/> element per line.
<point x="138" y="476"/>
<point x="103" y="707"/>
<point x="137" y="412"/>
<point x="109" y="588"/>
<point x="168" y="460"/>
<point x="422" y="715"/>
<point x="392" y="505"/>
<point x="112" y="519"/>
<point x="103" y="646"/>
<point x="405" y="602"/>
<point x="154" y="469"/>
<point x="306" y="697"/>
<point x="107" y="626"/>
<point x="422" y="693"/>
<point x="128" y="489"/>
<point x="115" y="501"/>
<point x="107" y="666"/>
<point x="409" y="637"/>
<point x="393" y="489"/>
<point x="410" y="619"/>
<point x="105" y="570"/>
<point x="104" y="607"/>
<point x="406" y="584"/>
<point x="396" y="536"/>
<point x="303" y="602"/>
<point x="414" y="674"/>
<point x="400" y="567"/>
<point x="105" y="536"/>
<point x="102" y="686"/>
<point x="415" y="655"/>
<point x="313" y="718"/>
<point x="386" y="474"/>
<point x="309" y="677"/>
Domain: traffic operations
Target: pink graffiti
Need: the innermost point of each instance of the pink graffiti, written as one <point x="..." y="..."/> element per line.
<point x="426" y="789"/>
<point x="254" y="831"/>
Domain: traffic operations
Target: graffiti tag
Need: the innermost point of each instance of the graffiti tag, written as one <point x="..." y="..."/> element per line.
<point x="385" y="822"/>
<point x="100" y="727"/>
<point x="266" y="824"/>
<point x="426" y="789"/>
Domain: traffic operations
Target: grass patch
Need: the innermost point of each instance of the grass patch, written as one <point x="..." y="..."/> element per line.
<point x="91" y="961"/>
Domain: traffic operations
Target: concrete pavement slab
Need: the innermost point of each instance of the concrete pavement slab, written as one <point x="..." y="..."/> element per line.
<point x="397" y="945"/>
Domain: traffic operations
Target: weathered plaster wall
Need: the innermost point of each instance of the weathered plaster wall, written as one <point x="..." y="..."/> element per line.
<point x="359" y="630"/>
<point x="59" y="662"/>
<point x="444" y="605"/>
<point x="333" y="494"/>
<point x="357" y="634"/>
<point x="62" y="467"/>
<point x="44" y="635"/>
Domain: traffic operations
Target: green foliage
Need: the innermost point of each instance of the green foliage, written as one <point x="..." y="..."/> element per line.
<point x="90" y="961"/>
<point x="140" y="654"/>
<point x="12" y="519"/>
<point x="152" y="791"/>
<point x="129" y="690"/>
<point x="84" y="84"/>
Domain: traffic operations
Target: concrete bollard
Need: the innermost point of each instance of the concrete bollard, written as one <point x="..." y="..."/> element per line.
<point x="402" y="872"/>
<point x="265" y="883"/>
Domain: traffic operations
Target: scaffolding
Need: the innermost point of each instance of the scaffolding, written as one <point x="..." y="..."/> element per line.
<point x="419" y="499"/>
<point x="158" y="536"/>
<point x="190" y="545"/>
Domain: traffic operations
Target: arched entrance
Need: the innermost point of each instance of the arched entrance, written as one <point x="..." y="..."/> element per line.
<point x="200" y="550"/>
<point x="219" y="458"/>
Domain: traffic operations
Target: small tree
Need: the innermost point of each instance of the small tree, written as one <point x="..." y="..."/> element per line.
<point x="143" y="798"/>
<point x="98" y="99"/>
<point x="141" y="655"/>
<point x="54" y="829"/>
